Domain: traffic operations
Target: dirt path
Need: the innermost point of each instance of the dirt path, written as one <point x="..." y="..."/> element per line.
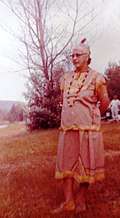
<point x="14" y="129"/>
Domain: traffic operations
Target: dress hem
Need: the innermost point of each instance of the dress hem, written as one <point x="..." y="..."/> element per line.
<point x="98" y="176"/>
<point x="82" y="128"/>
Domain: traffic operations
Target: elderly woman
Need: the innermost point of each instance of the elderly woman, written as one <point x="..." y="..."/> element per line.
<point x="80" y="155"/>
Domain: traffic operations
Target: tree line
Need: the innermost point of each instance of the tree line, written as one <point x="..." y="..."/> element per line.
<point x="17" y="112"/>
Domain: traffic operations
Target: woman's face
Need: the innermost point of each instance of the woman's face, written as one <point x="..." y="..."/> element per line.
<point x="79" y="59"/>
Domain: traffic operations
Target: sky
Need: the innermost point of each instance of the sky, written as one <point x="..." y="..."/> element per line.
<point x="107" y="47"/>
<point x="12" y="75"/>
<point x="103" y="36"/>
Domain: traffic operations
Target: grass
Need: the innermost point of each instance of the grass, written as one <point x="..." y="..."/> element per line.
<point x="111" y="135"/>
<point x="27" y="185"/>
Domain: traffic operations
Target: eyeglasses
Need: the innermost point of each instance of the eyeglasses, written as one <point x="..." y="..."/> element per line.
<point x="77" y="55"/>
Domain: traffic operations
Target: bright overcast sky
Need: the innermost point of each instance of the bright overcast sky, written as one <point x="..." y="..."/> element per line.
<point x="103" y="36"/>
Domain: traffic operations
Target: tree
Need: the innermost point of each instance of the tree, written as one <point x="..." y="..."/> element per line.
<point x="46" y="43"/>
<point x="45" y="108"/>
<point x="113" y="75"/>
<point x="16" y="113"/>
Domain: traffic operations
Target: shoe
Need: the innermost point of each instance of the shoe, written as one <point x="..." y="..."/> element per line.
<point x="80" y="204"/>
<point x="80" y="208"/>
<point x="65" y="207"/>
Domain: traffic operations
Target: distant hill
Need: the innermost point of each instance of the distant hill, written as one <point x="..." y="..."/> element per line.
<point x="6" y="105"/>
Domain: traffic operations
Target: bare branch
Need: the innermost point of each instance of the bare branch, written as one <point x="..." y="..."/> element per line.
<point x="70" y="38"/>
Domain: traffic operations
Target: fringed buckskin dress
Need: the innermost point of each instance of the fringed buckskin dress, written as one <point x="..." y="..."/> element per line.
<point x="80" y="153"/>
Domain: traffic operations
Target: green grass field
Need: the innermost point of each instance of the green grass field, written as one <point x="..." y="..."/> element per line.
<point x="27" y="185"/>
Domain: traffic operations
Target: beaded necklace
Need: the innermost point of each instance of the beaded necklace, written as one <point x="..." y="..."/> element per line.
<point x="71" y="99"/>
